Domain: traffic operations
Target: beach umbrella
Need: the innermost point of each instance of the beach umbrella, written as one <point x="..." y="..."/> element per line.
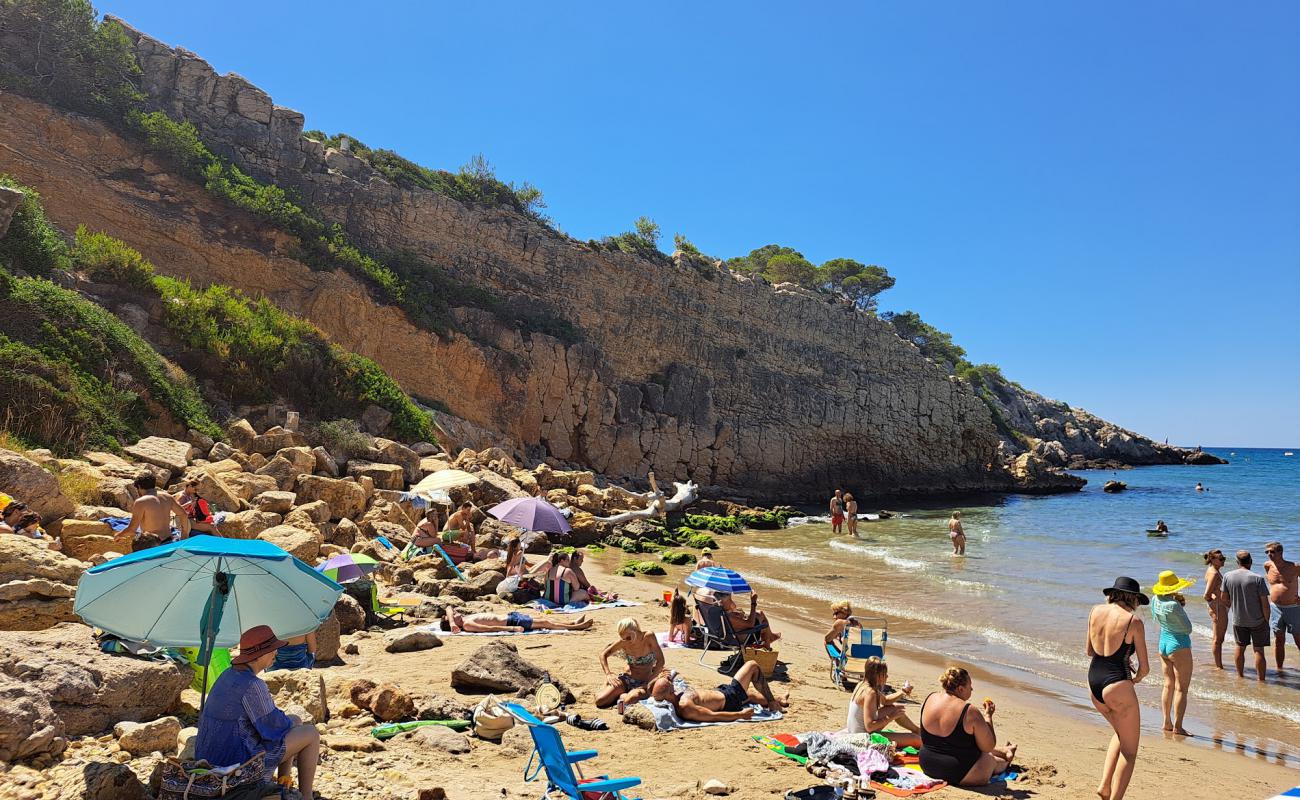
<point x="348" y="567"/>
<point x="204" y="592"/>
<point x="531" y="514"/>
<point x="718" y="579"/>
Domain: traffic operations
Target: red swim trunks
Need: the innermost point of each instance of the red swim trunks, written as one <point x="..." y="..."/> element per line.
<point x="837" y="519"/>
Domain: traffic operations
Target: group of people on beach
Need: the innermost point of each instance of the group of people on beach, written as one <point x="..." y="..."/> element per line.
<point x="844" y="509"/>
<point x="16" y="517"/>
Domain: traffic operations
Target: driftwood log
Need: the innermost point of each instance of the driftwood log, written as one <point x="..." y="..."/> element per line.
<point x="683" y="495"/>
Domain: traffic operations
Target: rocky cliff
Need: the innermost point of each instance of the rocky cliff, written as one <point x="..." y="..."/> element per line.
<point x="684" y="369"/>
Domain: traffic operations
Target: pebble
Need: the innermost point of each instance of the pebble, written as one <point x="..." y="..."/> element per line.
<point x="715" y="786"/>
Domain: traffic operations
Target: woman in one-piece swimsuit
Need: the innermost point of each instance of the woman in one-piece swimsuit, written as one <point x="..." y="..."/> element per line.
<point x="1114" y="627"/>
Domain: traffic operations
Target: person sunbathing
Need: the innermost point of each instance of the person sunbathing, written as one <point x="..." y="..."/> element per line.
<point x="727" y="703"/>
<point x="645" y="660"/>
<point x="871" y="710"/>
<point x="513" y="622"/>
<point x="742" y="623"/>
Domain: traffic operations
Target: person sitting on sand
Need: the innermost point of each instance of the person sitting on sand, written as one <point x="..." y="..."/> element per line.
<point x="519" y="573"/>
<point x="706" y="559"/>
<point x="968" y="754"/>
<point x="151" y="516"/>
<point x="727" y="703"/>
<point x="197" y="509"/>
<point x="679" y="625"/>
<point x="645" y="660"/>
<point x="512" y="622"/>
<point x="742" y="622"/>
<point x="841" y="619"/>
<point x="298" y="652"/>
<point x="851" y="514"/>
<point x="871" y="710"/>
<point x="575" y="564"/>
<point x="240" y="720"/>
<point x="560" y="586"/>
<point x="957" y="534"/>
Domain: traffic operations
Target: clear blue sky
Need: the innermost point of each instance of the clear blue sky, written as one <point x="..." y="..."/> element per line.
<point x="1102" y="197"/>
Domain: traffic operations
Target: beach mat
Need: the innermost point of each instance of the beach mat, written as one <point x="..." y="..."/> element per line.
<point x="895" y="791"/>
<point x="666" y="718"/>
<point x="778" y="747"/>
<point x="578" y="608"/>
<point x="436" y="629"/>
<point x="664" y="644"/>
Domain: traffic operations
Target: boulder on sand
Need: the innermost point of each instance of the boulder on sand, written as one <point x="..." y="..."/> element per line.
<point x="387" y="701"/>
<point x="89" y="689"/>
<point x="345" y="498"/>
<point x="29" y="728"/>
<point x="36" y="584"/>
<point x="302" y="545"/>
<point x="299" y="687"/>
<point x="498" y="667"/>
<point x="410" y="640"/>
<point x="170" y="454"/>
<point x="85" y="538"/>
<point x="143" y="738"/>
<point x="28" y="481"/>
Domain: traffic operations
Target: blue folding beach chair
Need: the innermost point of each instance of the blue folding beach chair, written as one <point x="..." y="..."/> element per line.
<point x="848" y="660"/>
<point x="560" y="764"/>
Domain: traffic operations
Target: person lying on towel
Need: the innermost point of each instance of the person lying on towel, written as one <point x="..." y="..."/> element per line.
<point x="513" y="622"/>
<point x="727" y="703"/>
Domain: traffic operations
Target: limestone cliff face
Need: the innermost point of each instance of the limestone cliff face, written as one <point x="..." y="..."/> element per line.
<point x="686" y="371"/>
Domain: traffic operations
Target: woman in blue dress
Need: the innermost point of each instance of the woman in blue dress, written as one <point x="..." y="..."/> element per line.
<point x="240" y="720"/>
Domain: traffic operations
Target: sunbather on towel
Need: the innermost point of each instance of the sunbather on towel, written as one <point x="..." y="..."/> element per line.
<point x="513" y="622"/>
<point x="743" y="622"/>
<point x="727" y="703"/>
<point x="645" y="660"/>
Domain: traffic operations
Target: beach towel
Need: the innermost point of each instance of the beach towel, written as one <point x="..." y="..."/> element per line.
<point x="438" y="630"/>
<point x="666" y="718"/>
<point x="779" y="747"/>
<point x="908" y="782"/>
<point x="666" y="644"/>
<point x="578" y="608"/>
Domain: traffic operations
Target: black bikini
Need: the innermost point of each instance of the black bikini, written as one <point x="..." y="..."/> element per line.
<point x="1105" y="670"/>
<point x="949" y="758"/>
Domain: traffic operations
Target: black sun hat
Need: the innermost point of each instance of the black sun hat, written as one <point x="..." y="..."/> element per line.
<point x="1125" y="584"/>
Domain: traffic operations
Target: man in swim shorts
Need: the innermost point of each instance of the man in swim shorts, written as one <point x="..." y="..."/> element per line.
<point x="1283" y="577"/>
<point x="513" y="622"/>
<point x="727" y="703"/>
<point x="1248" y="613"/>
<point x="837" y="511"/>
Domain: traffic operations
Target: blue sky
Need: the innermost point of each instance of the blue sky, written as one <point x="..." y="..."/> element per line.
<point x="1103" y="197"/>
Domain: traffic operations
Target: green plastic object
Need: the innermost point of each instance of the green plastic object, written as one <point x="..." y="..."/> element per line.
<point x="393" y="728"/>
<point x="219" y="663"/>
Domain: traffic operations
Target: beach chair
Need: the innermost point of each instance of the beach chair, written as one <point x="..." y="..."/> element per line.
<point x="563" y="774"/>
<point x="848" y="659"/>
<point x="395" y="613"/>
<point x="718" y="633"/>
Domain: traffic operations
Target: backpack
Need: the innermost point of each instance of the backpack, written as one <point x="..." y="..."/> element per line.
<point x="491" y="720"/>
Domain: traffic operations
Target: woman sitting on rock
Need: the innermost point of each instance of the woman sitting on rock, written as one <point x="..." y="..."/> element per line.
<point x="645" y="660"/>
<point x="240" y="720"/>
<point x="426" y="535"/>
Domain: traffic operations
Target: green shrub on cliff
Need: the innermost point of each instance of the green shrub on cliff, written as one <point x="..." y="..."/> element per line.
<point x="77" y="377"/>
<point x="32" y="244"/>
<point x="860" y="283"/>
<point x="933" y="343"/>
<point x="110" y="260"/>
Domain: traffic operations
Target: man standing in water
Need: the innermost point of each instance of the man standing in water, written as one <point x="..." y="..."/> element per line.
<point x="151" y="515"/>
<point x="1283" y="577"/>
<point x="1248" y="613"/>
<point x="837" y="511"/>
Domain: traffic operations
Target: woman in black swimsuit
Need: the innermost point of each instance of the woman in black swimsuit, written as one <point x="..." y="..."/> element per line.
<point x="1114" y="628"/>
<point x="967" y="755"/>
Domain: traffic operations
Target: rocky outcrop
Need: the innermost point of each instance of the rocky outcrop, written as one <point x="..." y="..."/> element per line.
<point x="89" y="690"/>
<point x="29" y="728"/>
<point x="497" y="667"/>
<point x="24" y="479"/>
<point x="37" y="585"/>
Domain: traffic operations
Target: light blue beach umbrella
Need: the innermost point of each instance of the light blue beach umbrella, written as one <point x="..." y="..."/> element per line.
<point x="718" y="579"/>
<point x="204" y="592"/>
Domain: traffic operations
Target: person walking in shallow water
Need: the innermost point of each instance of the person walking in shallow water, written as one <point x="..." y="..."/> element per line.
<point x="1248" y="613"/>
<point x="851" y="514"/>
<point x="957" y="534"/>
<point x="1216" y="601"/>
<point x="1175" y="648"/>
<point x="837" y="511"/>
<point x="1283" y="579"/>
<point x="1114" y="628"/>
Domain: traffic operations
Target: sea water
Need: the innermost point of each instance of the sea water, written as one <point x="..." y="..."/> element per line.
<point x="1018" y="601"/>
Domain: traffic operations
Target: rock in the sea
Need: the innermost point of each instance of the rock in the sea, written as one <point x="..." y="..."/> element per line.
<point x="26" y="480"/>
<point x="29" y="728"/>
<point x="345" y="498"/>
<point x="496" y="667"/>
<point x="1114" y="487"/>
<point x="300" y="544"/>
<point x="1201" y="458"/>
<point x="89" y="689"/>
<point x="302" y="687"/>
<point x="408" y="641"/>
<point x="387" y="701"/>
<point x="440" y="738"/>
<point x="37" y="585"/>
<point x="142" y="738"/>
<point x="170" y="454"/>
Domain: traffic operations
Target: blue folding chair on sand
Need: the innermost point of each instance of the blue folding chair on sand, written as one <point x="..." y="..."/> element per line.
<point x="848" y="660"/>
<point x="560" y="764"/>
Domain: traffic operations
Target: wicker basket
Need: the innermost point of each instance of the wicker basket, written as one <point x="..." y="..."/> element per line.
<point x="765" y="659"/>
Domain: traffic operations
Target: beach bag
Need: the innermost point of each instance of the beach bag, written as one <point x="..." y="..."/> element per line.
<point x="491" y="720"/>
<point x="195" y="780"/>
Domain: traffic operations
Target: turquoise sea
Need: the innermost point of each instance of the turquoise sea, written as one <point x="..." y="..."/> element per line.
<point x="1018" y="602"/>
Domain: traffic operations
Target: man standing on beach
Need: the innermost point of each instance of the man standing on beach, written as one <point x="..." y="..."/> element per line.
<point x="837" y="511"/>
<point x="1283" y="577"/>
<point x="1248" y="613"/>
<point x="151" y="516"/>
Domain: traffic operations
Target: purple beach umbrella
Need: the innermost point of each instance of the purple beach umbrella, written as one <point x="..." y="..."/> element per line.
<point x="531" y="514"/>
<point x="348" y="567"/>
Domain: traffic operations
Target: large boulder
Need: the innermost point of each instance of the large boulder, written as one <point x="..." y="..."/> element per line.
<point x="385" y="511"/>
<point x="346" y="499"/>
<point x="493" y="488"/>
<point x="105" y="780"/>
<point x="349" y="613"/>
<point x="302" y="545"/>
<point x="387" y="701"/>
<point x="213" y="487"/>
<point x="248" y="485"/>
<point x="481" y="585"/>
<point x="89" y="689"/>
<point x="409" y="640"/>
<point x="83" y="539"/>
<point x="248" y="524"/>
<point x="29" y="728"/>
<point x="496" y="667"/>
<point x="375" y="419"/>
<point x="26" y="480"/>
<point x="344" y="534"/>
<point x="385" y="476"/>
<point x="37" y="585"/>
<point x="325" y="463"/>
<point x="143" y="738"/>
<point x="301" y="457"/>
<point x="241" y="435"/>
<point x="170" y="454"/>
<point x="440" y="738"/>
<point x="284" y="472"/>
<point x="276" y="502"/>
<point x="327" y="638"/>
<point x="301" y="687"/>
<point x="391" y="452"/>
<point x="275" y="440"/>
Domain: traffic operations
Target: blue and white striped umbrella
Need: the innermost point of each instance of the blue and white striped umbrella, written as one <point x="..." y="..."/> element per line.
<point x="718" y="579"/>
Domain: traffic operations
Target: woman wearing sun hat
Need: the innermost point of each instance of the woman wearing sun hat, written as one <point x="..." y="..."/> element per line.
<point x="240" y="720"/>
<point x="1175" y="646"/>
<point x="1115" y="635"/>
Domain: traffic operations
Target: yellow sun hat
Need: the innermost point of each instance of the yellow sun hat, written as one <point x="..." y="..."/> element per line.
<point x="1169" y="583"/>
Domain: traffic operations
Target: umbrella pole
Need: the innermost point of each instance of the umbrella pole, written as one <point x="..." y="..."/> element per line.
<point x="203" y="696"/>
